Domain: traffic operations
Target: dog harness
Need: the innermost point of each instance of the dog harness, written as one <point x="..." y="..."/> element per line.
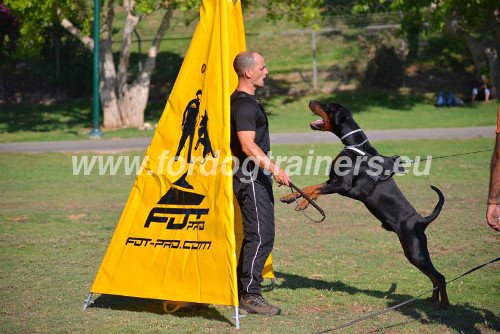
<point x="352" y="141"/>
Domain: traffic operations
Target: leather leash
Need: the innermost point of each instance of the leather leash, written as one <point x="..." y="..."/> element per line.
<point x="316" y="206"/>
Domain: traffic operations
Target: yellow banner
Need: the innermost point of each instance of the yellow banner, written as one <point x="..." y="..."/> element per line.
<point x="175" y="239"/>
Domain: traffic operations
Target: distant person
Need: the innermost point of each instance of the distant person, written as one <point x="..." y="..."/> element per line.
<point x="448" y="100"/>
<point x="493" y="209"/>
<point x="481" y="92"/>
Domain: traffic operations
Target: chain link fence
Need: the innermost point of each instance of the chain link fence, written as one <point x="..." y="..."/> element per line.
<point x="335" y="56"/>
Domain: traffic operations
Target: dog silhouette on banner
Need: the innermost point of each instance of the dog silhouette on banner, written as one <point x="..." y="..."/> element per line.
<point x="203" y="138"/>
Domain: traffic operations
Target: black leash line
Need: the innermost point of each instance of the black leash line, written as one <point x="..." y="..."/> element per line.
<point x="377" y="313"/>
<point x="453" y="155"/>
<point x="316" y="206"/>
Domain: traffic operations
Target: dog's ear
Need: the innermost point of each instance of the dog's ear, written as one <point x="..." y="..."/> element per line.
<point x="340" y="113"/>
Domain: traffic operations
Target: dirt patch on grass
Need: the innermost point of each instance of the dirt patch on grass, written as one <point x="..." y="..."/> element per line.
<point x="489" y="239"/>
<point x="18" y="219"/>
<point x="440" y="249"/>
<point x="76" y="216"/>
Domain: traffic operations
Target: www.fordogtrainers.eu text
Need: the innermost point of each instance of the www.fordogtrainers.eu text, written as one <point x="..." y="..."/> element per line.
<point x="294" y="165"/>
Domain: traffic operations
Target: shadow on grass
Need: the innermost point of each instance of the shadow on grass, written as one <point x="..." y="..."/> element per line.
<point x="67" y="117"/>
<point x="72" y="115"/>
<point x="462" y="318"/>
<point x="133" y="304"/>
<point x="360" y="101"/>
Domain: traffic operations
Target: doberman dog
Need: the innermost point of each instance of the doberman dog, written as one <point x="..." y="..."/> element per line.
<point x="370" y="181"/>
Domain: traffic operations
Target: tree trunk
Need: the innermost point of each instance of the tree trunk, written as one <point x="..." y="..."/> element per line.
<point x="496" y="72"/>
<point x="109" y="100"/>
<point x="491" y="56"/>
<point x="476" y="49"/>
<point x="128" y="30"/>
<point x="134" y="97"/>
<point x="486" y="59"/>
<point x="2" y="89"/>
<point x="132" y="104"/>
<point x="122" y="104"/>
<point x="107" y="86"/>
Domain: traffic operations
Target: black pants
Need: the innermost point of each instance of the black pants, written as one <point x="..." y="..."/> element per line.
<point x="255" y="197"/>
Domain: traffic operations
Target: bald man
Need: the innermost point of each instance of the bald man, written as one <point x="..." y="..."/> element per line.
<point x="252" y="180"/>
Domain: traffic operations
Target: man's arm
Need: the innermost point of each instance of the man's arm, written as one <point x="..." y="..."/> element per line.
<point x="493" y="210"/>
<point x="252" y="150"/>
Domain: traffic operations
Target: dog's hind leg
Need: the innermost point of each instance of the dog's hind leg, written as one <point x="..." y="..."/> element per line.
<point x="415" y="247"/>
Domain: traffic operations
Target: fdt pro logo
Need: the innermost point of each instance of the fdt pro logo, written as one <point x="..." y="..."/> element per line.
<point x="180" y="199"/>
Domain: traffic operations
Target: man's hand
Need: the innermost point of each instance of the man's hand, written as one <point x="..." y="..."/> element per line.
<point x="493" y="216"/>
<point x="281" y="176"/>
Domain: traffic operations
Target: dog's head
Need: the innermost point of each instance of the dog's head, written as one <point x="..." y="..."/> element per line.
<point x="332" y="115"/>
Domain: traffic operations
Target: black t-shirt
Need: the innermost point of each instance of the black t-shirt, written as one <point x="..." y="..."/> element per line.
<point x="248" y="114"/>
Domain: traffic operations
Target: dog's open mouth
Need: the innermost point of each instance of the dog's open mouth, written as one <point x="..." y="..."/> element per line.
<point x="319" y="109"/>
<point x="318" y="124"/>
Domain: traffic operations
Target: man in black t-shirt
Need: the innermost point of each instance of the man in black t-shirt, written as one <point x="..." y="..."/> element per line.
<point x="252" y="181"/>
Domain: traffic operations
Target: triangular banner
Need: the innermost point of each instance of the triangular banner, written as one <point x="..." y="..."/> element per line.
<point x="175" y="239"/>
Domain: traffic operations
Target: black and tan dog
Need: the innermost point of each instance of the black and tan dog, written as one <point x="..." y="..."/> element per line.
<point x="361" y="173"/>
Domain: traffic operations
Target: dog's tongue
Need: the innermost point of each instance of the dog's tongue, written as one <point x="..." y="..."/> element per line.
<point x="318" y="124"/>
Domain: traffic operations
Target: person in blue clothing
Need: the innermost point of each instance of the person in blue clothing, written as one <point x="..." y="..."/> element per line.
<point x="448" y="100"/>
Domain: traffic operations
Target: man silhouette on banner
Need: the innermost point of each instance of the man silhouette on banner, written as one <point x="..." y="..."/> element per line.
<point x="203" y="137"/>
<point x="189" y="125"/>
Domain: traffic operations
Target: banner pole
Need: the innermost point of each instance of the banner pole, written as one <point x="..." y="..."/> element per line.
<point x="87" y="301"/>
<point x="237" y="317"/>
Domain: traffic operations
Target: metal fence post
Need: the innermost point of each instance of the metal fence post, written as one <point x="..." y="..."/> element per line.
<point x="96" y="133"/>
<point x="315" y="62"/>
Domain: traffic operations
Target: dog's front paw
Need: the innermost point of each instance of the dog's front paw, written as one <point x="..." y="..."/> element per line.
<point x="302" y="205"/>
<point x="290" y="198"/>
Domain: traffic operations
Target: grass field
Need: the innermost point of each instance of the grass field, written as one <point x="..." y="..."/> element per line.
<point x="55" y="228"/>
<point x="380" y="110"/>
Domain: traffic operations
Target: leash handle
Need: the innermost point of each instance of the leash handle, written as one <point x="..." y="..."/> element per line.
<point x="316" y="206"/>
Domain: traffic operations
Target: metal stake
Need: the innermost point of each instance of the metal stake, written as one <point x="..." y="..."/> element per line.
<point x="237" y="317"/>
<point x="87" y="301"/>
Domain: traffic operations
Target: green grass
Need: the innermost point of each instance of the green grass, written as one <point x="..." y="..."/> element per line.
<point x="55" y="228"/>
<point x="373" y="110"/>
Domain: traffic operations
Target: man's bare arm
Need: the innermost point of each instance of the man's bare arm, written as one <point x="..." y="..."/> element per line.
<point x="252" y="150"/>
<point x="493" y="209"/>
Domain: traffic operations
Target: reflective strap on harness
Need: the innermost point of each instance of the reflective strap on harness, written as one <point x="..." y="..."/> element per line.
<point x="357" y="150"/>
<point x="358" y="144"/>
<point x="350" y="133"/>
<point x="354" y="138"/>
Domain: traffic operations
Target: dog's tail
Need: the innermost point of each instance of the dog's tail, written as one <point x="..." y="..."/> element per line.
<point x="437" y="209"/>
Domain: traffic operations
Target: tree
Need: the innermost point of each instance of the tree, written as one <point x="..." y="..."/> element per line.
<point x="305" y="12"/>
<point x="477" y="22"/>
<point x="9" y="30"/>
<point x="123" y="100"/>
